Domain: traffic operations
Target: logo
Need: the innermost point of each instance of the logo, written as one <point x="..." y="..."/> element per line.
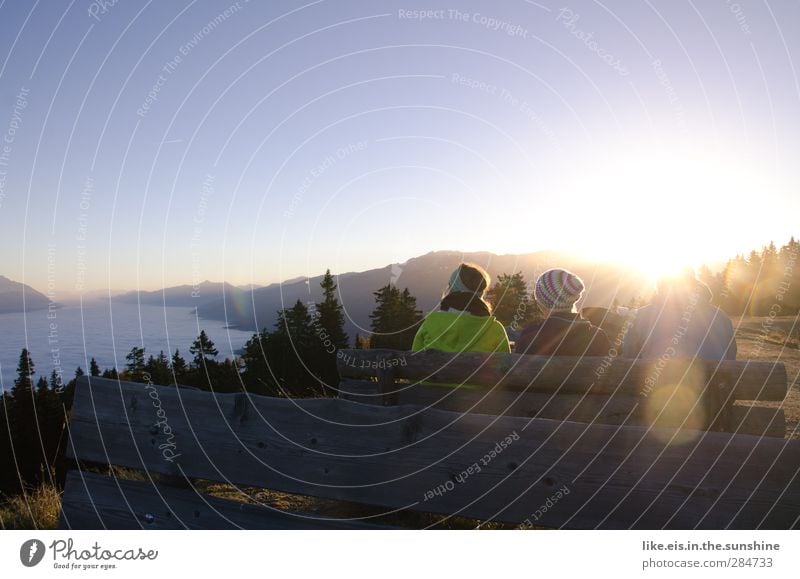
<point x="32" y="552"/>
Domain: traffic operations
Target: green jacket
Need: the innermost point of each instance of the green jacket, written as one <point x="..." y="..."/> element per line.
<point x="460" y="332"/>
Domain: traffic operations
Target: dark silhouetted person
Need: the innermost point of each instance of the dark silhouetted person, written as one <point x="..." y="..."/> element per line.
<point x="681" y="322"/>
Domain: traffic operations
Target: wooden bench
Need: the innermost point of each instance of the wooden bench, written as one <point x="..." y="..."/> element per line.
<point x="694" y="395"/>
<point x="406" y="458"/>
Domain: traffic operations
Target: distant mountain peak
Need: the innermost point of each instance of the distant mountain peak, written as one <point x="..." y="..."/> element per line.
<point x="19" y="297"/>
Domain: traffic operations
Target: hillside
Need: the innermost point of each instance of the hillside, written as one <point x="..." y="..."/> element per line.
<point x="184" y="295"/>
<point x="426" y="277"/>
<point x="18" y="297"/>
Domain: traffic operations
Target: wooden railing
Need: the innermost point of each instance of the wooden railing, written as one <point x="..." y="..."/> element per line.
<point x="676" y="393"/>
<point x="407" y="458"/>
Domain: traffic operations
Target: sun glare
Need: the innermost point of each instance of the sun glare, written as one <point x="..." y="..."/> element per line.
<point x="659" y="211"/>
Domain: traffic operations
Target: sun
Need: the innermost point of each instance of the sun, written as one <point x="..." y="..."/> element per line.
<point x="659" y="211"/>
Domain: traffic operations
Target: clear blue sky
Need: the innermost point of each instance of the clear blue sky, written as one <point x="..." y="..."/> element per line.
<point x="285" y="138"/>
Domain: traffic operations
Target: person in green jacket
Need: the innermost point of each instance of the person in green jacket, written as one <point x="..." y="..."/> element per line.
<point x="464" y="321"/>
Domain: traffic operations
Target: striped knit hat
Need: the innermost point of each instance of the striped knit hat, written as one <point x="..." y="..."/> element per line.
<point x="558" y="289"/>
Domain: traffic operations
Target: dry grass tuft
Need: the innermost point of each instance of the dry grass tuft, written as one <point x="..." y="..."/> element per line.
<point x="36" y="509"/>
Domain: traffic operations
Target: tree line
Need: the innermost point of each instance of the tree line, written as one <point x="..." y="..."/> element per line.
<point x="763" y="283"/>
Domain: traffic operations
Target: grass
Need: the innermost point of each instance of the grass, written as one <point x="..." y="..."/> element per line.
<point x="36" y="509"/>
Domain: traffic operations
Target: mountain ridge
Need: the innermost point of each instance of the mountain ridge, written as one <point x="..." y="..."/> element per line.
<point x="426" y="277"/>
<point x="17" y="297"/>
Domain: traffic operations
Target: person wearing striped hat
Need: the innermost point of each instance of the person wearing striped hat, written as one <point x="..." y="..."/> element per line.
<point x="563" y="332"/>
<point x="464" y="320"/>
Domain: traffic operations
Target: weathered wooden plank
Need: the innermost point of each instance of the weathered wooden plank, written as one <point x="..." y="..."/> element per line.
<point x="747" y="380"/>
<point x="675" y="412"/>
<point x="394" y="457"/>
<point x="93" y="501"/>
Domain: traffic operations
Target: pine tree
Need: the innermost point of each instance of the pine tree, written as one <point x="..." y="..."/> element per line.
<point x="395" y="319"/>
<point x="135" y="366"/>
<point x="94" y="369"/>
<point x="294" y="353"/>
<point x="55" y="381"/>
<point x="158" y="369"/>
<point x="23" y="420"/>
<point x="511" y="301"/>
<point x="330" y="313"/>
<point x="25" y="371"/>
<point x="331" y="337"/>
<point x="179" y="367"/>
<point x="203" y="351"/>
<point x="258" y="377"/>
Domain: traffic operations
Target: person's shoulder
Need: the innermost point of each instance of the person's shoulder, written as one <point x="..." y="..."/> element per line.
<point x="495" y="322"/>
<point x="532" y="328"/>
<point x="600" y="334"/>
<point x="441" y="315"/>
<point x="721" y="317"/>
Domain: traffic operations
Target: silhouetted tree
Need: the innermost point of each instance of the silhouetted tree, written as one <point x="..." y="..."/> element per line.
<point x="135" y="364"/>
<point x="511" y="301"/>
<point x="94" y="369"/>
<point x="395" y="319"/>
<point x="329" y="327"/>
<point x="179" y="367"/>
<point x="330" y="313"/>
<point x="258" y="377"/>
<point x="158" y="369"/>
<point x="203" y="351"/>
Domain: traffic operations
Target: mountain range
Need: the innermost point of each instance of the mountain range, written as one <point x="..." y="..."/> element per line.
<point x="183" y="295"/>
<point x="425" y="276"/>
<point x="18" y="297"/>
<point x="253" y="307"/>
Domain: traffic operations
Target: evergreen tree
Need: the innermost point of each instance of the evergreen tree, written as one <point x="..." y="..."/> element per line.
<point x="258" y="377"/>
<point x="330" y="313"/>
<point x="55" y="381"/>
<point x="41" y="386"/>
<point x="158" y="369"/>
<point x="395" y="319"/>
<point x="203" y="351"/>
<point x="179" y="367"/>
<point x="754" y="285"/>
<point x="329" y="327"/>
<point x="26" y="424"/>
<point x="94" y="369"/>
<point x="294" y="353"/>
<point x="135" y="366"/>
<point x="25" y="371"/>
<point x="511" y="302"/>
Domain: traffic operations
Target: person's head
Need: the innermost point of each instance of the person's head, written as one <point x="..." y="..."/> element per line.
<point x="466" y="290"/>
<point x="558" y="290"/>
<point x="681" y="287"/>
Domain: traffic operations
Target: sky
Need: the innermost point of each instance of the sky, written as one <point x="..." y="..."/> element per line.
<point x="149" y="144"/>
